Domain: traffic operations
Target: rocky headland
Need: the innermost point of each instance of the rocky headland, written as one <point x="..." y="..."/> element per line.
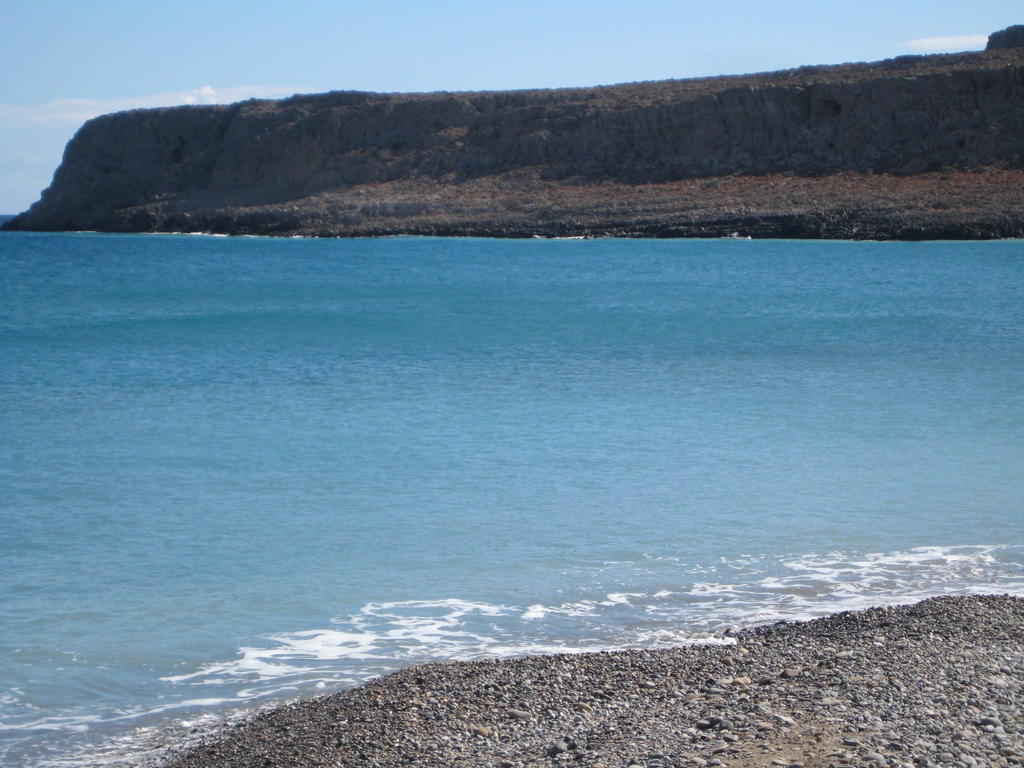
<point x="917" y="147"/>
<point x="939" y="683"/>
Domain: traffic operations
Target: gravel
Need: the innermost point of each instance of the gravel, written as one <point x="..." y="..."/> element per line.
<point x="939" y="683"/>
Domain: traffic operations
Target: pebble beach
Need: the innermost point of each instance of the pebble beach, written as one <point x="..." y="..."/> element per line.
<point x="938" y="683"/>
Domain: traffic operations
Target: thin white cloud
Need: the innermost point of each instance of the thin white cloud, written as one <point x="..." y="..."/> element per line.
<point x="947" y="43"/>
<point x="77" y="111"/>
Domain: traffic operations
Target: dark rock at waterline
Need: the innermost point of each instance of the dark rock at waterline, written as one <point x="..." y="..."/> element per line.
<point x="918" y="147"/>
<point x="1011" y="37"/>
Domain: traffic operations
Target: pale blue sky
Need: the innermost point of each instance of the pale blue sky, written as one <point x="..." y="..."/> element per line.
<point x="66" y="60"/>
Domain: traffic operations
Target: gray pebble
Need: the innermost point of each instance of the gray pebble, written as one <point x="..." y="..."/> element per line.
<point x="926" y="693"/>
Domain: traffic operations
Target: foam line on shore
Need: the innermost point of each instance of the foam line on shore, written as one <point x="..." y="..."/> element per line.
<point x="704" y="605"/>
<point x="936" y="681"/>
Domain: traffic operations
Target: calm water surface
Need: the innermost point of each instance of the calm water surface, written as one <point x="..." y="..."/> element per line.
<point x="234" y="471"/>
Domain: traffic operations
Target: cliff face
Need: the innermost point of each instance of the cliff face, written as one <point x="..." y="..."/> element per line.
<point x="361" y="163"/>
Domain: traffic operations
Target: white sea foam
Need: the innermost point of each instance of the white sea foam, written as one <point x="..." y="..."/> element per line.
<point x="536" y="611"/>
<point x="812" y="585"/>
<point x="387" y="635"/>
<point x="381" y="636"/>
<point x="621" y="598"/>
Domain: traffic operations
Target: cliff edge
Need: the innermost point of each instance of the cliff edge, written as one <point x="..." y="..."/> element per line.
<point x="916" y="147"/>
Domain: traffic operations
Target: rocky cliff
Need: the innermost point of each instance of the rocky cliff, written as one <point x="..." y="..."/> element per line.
<point x="915" y="147"/>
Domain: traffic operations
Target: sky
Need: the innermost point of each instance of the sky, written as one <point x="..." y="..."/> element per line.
<point x="65" y="61"/>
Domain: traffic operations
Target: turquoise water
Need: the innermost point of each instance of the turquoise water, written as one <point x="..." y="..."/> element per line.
<point x="234" y="471"/>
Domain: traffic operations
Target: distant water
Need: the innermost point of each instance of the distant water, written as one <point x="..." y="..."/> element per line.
<point x="234" y="471"/>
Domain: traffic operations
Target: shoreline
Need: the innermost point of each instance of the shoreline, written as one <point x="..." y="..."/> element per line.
<point x="979" y="205"/>
<point x="931" y="683"/>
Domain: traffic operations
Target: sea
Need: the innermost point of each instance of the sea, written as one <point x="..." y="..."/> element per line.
<point x="236" y="472"/>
